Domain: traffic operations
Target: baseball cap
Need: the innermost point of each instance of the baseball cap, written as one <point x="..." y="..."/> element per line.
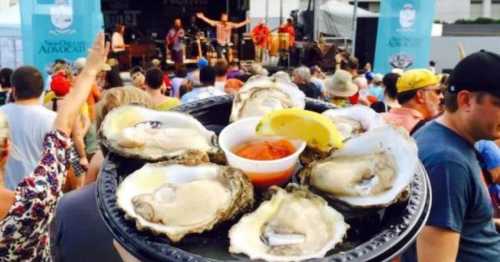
<point x="416" y="79"/>
<point x="477" y="72"/>
<point x="60" y="85"/>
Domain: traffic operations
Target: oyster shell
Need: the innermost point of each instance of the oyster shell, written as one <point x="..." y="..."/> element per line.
<point x="355" y="120"/>
<point x="176" y="200"/>
<point x="262" y="95"/>
<point x="372" y="170"/>
<point x="137" y="132"/>
<point x="293" y="225"/>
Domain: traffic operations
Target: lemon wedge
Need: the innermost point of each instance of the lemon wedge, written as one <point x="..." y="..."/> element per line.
<point x="315" y="129"/>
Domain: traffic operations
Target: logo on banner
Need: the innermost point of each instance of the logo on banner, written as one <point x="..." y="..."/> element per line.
<point x="61" y="16"/>
<point x="407" y="17"/>
<point x="401" y="60"/>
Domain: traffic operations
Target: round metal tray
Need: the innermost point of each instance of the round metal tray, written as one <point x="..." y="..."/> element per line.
<point x="374" y="237"/>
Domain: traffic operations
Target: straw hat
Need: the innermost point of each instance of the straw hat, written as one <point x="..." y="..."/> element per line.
<point x="341" y="84"/>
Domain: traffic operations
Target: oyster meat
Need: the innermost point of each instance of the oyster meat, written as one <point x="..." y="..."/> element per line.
<point x="262" y="96"/>
<point x="355" y="120"/>
<point x="293" y="225"/>
<point x="354" y="175"/>
<point x="137" y="132"/>
<point x="176" y="200"/>
<point x="372" y="170"/>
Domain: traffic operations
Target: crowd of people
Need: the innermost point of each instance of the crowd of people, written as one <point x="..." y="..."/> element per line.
<point x="52" y="144"/>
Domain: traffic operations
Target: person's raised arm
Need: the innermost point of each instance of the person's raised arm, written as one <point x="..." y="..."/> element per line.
<point x="241" y="24"/>
<point x="436" y="244"/>
<point x="206" y="19"/>
<point x="70" y="108"/>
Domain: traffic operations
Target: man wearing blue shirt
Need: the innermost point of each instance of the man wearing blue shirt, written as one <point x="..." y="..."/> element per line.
<point x="206" y="90"/>
<point x="460" y="226"/>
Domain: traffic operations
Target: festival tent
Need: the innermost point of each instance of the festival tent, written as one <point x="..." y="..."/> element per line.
<point x="10" y="37"/>
<point x="336" y="18"/>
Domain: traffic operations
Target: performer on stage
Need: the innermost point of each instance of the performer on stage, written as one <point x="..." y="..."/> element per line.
<point x="117" y="41"/>
<point x="289" y="28"/>
<point x="175" y="43"/>
<point x="223" y="31"/>
<point x="260" y="35"/>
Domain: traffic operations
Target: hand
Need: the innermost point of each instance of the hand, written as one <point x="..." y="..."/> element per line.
<point x="199" y="15"/>
<point x="84" y="162"/>
<point x="124" y="254"/>
<point x="98" y="54"/>
<point x="70" y="108"/>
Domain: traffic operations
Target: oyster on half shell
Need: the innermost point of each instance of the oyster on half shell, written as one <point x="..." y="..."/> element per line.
<point x="362" y="175"/>
<point x="372" y="170"/>
<point x="176" y="200"/>
<point x="293" y="225"/>
<point x="262" y="96"/>
<point x="137" y="132"/>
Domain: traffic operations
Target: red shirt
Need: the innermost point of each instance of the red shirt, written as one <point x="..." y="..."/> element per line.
<point x="260" y="35"/>
<point x="354" y="100"/>
<point x="167" y="81"/>
<point x="291" y="33"/>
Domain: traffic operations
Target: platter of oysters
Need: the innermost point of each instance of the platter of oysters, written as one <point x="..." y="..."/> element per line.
<point x="171" y="190"/>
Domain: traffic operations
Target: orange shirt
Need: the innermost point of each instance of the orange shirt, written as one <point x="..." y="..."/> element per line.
<point x="260" y="35"/>
<point x="291" y="33"/>
<point x="92" y="99"/>
<point x="233" y="86"/>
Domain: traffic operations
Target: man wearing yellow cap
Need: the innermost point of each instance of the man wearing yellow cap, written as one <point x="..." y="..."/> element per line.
<point x="420" y="96"/>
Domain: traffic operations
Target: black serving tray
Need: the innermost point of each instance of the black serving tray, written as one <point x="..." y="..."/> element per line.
<point x="372" y="237"/>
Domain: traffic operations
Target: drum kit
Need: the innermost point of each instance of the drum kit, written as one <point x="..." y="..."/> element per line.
<point x="278" y="43"/>
<point x="197" y="46"/>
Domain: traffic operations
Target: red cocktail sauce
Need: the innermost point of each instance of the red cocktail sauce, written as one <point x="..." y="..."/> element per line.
<point x="267" y="150"/>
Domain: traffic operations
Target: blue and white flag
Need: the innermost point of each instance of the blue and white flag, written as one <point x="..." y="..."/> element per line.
<point x="58" y="29"/>
<point x="404" y="34"/>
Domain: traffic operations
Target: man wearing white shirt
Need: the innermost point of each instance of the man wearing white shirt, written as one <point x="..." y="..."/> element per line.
<point x="207" y="79"/>
<point x="29" y="122"/>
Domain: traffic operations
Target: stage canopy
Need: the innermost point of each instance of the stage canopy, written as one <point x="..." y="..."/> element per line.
<point x="336" y="18"/>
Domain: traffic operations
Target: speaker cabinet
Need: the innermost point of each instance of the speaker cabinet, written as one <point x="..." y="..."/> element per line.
<point x="247" y="50"/>
<point x="366" y="39"/>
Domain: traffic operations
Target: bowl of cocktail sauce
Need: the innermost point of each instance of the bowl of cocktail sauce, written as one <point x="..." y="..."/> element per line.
<point x="266" y="160"/>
